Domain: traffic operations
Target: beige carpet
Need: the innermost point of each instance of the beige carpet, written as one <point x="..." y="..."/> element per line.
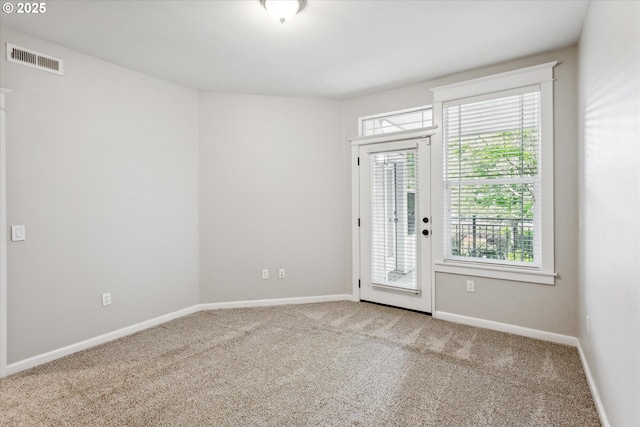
<point x="340" y="363"/>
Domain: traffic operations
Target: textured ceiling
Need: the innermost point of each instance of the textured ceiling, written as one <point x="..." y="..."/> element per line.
<point x="333" y="49"/>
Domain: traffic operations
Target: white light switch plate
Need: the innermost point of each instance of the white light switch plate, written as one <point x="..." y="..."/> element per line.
<point x="18" y="233"/>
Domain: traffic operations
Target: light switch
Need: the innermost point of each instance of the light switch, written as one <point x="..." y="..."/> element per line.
<point x="18" y="233"/>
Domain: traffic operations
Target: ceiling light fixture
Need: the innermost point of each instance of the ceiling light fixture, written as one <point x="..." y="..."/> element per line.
<point x="283" y="10"/>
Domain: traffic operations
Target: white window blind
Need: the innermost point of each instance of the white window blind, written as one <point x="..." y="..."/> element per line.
<point x="396" y="121"/>
<point x="491" y="149"/>
<point x="394" y="201"/>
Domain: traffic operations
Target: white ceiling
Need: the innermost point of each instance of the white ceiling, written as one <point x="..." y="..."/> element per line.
<point x="333" y="48"/>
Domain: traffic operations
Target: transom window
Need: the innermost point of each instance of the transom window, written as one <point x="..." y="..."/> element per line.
<point x="396" y="121"/>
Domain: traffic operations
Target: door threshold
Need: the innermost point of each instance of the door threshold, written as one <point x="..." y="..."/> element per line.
<point x="400" y="308"/>
<point x="397" y="288"/>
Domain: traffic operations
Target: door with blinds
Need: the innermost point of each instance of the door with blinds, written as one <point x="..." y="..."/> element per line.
<point x="395" y="245"/>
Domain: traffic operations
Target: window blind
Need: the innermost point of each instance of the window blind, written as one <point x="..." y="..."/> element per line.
<point x="394" y="178"/>
<point x="492" y="178"/>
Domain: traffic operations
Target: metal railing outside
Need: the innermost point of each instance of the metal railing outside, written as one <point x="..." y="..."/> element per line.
<point x="493" y="238"/>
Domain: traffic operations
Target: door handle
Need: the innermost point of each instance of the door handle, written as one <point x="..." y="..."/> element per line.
<point x="425" y="219"/>
<point x="425" y="232"/>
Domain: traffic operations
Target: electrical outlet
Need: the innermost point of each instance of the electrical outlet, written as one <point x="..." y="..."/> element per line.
<point x="470" y="286"/>
<point x="588" y="326"/>
<point x="106" y="299"/>
<point x="281" y="273"/>
<point x="265" y="274"/>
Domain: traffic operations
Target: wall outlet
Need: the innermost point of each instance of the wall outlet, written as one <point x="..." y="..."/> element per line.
<point x="588" y="325"/>
<point x="265" y="274"/>
<point x="470" y="286"/>
<point x="281" y="273"/>
<point x="106" y="299"/>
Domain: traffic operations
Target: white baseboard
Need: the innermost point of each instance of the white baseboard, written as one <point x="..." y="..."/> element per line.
<point x="457" y="318"/>
<point x="273" y="302"/>
<point x="505" y="327"/>
<point x="592" y="387"/>
<point x="92" y="342"/>
<point x="541" y="335"/>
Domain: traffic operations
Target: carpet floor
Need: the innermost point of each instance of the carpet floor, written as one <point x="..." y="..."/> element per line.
<point x="337" y="363"/>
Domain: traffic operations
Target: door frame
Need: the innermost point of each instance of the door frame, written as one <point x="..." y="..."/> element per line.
<point x="356" y="143"/>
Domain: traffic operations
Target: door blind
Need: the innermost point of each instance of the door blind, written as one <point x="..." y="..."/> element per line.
<point x="394" y="202"/>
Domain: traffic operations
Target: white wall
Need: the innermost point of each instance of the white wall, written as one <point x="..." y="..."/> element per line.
<point x="102" y="170"/>
<point x="610" y="205"/>
<point x="542" y="307"/>
<point x="272" y="195"/>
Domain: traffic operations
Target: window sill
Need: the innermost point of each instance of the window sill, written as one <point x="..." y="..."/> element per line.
<point x="504" y="273"/>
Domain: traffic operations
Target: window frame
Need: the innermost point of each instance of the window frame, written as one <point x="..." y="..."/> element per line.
<point x="539" y="75"/>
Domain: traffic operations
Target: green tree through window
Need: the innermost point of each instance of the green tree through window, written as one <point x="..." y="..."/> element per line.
<point x="491" y="179"/>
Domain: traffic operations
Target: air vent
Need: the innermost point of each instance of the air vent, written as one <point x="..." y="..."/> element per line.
<point x="30" y="58"/>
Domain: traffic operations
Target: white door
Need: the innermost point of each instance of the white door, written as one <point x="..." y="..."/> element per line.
<point x="395" y="242"/>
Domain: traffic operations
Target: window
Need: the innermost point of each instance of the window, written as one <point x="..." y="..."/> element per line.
<point x="393" y="218"/>
<point x="491" y="178"/>
<point x="497" y="176"/>
<point x="396" y="121"/>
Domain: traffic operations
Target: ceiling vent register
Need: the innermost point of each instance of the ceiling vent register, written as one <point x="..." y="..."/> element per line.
<point x="34" y="59"/>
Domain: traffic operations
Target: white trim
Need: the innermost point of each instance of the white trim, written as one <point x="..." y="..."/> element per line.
<point x="3" y="234"/>
<point x="505" y="327"/>
<point x="274" y="302"/>
<point x="547" y="221"/>
<point x="110" y="336"/>
<point x="536" y="334"/>
<point x="410" y="144"/>
<point x="496" y="181"/>
<point x="355" y="221"/>
<point x="492" y="96"/>
<point x="92" y="342"/>
<point x="456" y="318"/>
<point x="528" y="76"/>
<point x="436" y="195"/>
<point x="592" y="387"/>
<point x="495" y="272"/>
<point x="393" y="136"/>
